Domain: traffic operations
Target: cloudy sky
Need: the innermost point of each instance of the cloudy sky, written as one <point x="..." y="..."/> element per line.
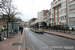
<point x="29" y="8"/>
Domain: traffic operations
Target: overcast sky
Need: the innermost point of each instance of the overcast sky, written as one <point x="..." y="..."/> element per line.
<point x="29" y="8"/>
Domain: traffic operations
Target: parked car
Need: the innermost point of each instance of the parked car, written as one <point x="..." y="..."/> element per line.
<point x="72" y="28"/>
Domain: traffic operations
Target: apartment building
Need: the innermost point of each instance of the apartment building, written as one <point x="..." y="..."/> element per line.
<point x="42" y="15"/>
<point x="47" y="18"/>
<point x="71" y="12"/>
<point x="32" y="21"/>
<point x="26" y="24"/>
<point x="58" y="12"/>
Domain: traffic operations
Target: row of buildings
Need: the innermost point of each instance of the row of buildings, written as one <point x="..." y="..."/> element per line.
<point x="62" y="12"/>
<point x="32" y="21"/>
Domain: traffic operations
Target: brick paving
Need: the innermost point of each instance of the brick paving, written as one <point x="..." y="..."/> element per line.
<point x="7" y="44"/>
<point x="72" y="36"/>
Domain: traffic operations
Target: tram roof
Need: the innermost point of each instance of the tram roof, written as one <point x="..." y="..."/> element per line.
<point x="35" y="22"/>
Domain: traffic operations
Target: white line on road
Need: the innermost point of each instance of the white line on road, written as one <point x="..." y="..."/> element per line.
<point x="30" y="43"/>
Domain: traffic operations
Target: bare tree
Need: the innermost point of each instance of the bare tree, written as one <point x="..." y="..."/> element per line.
<point x="9" y="9"/>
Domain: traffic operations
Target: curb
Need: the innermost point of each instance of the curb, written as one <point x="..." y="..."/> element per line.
<point x="61" y="36"/>
<point x="24" y="40"/>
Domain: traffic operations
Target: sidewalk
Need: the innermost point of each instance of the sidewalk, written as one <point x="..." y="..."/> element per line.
<point x="7" y="44"/>
<point x="66" y="35"/>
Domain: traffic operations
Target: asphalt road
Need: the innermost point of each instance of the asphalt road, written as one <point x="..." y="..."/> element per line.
<point x="35" y="41"/>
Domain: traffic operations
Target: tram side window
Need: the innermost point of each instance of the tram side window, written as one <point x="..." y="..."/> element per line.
<point x="40" y="27"/>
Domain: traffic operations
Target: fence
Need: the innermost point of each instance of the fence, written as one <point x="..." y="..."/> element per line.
<point x="62" y="31"/>
<point x="3" y="35"/>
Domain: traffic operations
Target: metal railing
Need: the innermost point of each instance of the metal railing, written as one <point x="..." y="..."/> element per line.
<point x="3" y="35"/>
<point x="62" y="31"/>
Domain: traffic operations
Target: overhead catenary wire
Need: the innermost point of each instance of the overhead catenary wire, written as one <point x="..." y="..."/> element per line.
<point x="31" y="6"/>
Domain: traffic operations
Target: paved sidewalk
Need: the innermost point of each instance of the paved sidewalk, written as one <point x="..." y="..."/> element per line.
<point x="66" y="35"/>
<point x="7" y="44"/>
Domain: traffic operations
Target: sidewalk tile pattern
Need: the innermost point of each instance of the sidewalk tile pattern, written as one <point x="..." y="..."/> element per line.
<point x="7" y="44"/>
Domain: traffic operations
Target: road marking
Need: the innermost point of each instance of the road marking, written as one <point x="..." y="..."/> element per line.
<point x="43" y="41"/>
<point x="24" y="40"/>
<point x="21" y="38"/>
<point x="21" y="41"/>
<point x="30" y="42"/>
<point x="19" y="47"/>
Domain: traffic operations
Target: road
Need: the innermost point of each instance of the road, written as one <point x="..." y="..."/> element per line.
<point x="35" y="41"/>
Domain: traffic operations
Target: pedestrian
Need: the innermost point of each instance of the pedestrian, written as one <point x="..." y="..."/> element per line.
<point x="21" y="29"/>
<point x="2" y="28"/>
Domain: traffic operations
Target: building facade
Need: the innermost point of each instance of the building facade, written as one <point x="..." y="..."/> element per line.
<point x="32" y="21"/>
<point x="58" y="12"/>
<point x="71" y="12"/>
<point x="26" y="24"/>
<point x="47" y="18"/>
<point x="42" y="15"/>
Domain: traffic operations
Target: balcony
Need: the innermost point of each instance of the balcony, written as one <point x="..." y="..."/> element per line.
<point x="1" y="12"/>
<point x="56" y="3"/>
<point x="0" y="5"/>
<point x="52" y="21"/>
<point x="52" y="17"/>
<point x="44" y="16"/>
<point x="63" y="21"/>
<point x="62" y="8"/>
<point x="64" y="14"/>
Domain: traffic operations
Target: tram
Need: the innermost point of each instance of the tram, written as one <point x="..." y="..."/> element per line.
<point x="37" y="27"/>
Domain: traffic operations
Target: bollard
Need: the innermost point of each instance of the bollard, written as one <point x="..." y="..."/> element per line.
<point x="64" y="30"/>
<point x="0" y="36"/>
<point x="4" y="34"/>
<point x="69" y="31"/>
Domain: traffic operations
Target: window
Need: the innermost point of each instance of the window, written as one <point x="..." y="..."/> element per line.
<point x="56" y="19"/>
<point x="52" y="14"/>
<point x="63" y="11"/>
<point x="72" y="14"/>
<point x="59" y="18"/>
<point x="62" y="18"/>
<point x="59" y="6"/>
<point x="74" y="22"/>
<point x="52" y="10"/>
<point x="63" y="4"/>
<point x="71" y="22"/>
<point x="52" y="24"/>
<point x="71" y="0"/>
<point x="55" y="14"/>
<point x="72" y="7"/>
<point x="65" y="18"/>
<point x="52" y="19"/>
<point x="60" y="13"/>
<point x="40" y="27"/>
